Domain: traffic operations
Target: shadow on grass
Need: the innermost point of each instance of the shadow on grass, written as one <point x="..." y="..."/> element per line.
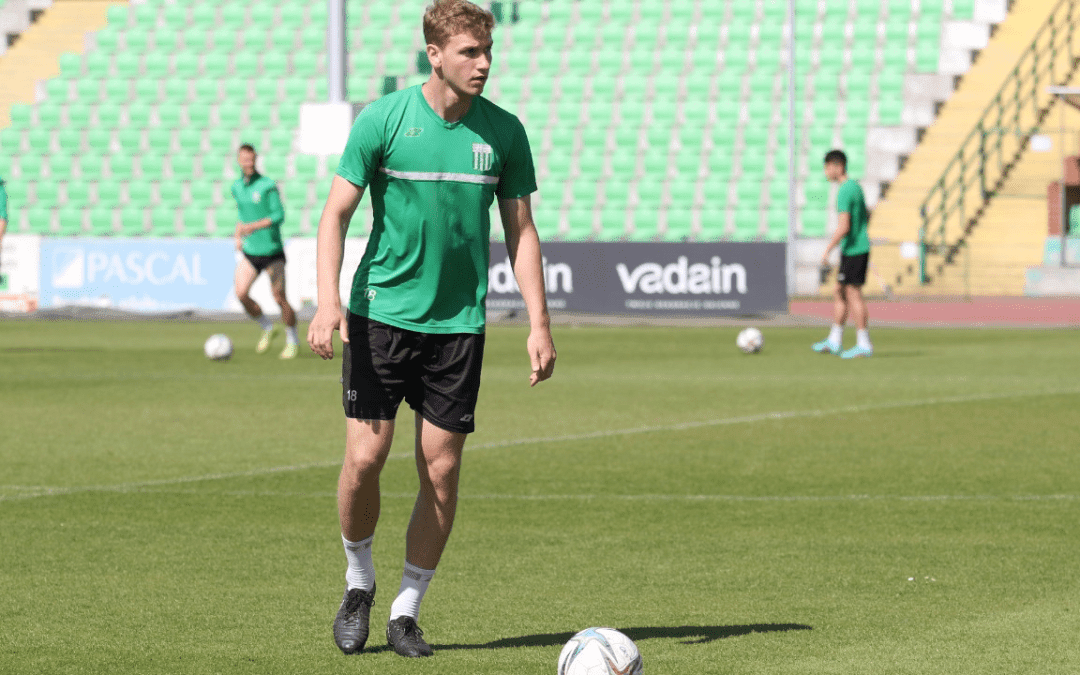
<point x="687" y="635"/>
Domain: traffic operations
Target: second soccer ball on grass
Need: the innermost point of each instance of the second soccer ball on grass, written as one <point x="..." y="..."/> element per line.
<point x="218" y="347"/>
<point x="750" y="340"/>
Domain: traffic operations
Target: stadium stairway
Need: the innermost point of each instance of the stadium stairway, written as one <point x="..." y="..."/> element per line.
<point x="35" y="55"/>
<point x="1010" y="235"/>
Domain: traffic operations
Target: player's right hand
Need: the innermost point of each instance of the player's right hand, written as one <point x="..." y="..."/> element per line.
<point x="320" y="334"/>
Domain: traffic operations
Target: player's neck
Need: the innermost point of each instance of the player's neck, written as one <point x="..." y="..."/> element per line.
<point x="447" y="103"/>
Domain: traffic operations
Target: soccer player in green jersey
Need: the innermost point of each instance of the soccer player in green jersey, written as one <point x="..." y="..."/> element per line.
<point x="258" y="237"/>
<point x="851" y="235"/>
<point x="433" y="158"/>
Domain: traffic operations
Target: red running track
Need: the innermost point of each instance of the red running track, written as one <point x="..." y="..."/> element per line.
<point x="1016" y="312"/>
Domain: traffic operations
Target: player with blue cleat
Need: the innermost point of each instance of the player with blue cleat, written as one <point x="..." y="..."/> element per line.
<point x="826" y="347"/>
<point x="851" y="236"/>
<point x="858" y="351"/>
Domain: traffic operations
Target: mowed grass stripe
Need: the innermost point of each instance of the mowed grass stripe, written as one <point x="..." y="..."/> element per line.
<point x="27" y="492"/>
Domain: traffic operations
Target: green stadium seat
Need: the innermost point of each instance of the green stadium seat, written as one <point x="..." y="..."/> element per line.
<point x="108" y="191"/>
<point x="39" y="219"/>
<point x="306" y="166"/>
<point x="183" y="166"/>
<point x="224" y="219"/>
<point x="187" y="65"/>
<point x="69" y="139"/>
<point x="101" y="222"/>
<point x="203" y="192"/>
<point x="121" y="167"/>
<point x="166" y="42"/>
<point x="18" y="192"/>
<point x="133" y="222"/>
<point x="70" y="222"/>
<point x="46" y="192"/>
<point x="204" y="15"/>
<point x="58" y="90"/>
<point x="198" y="114"/>
<point x="163" y="222"/>
<point x="78" y="193"/>
<point x="193" y="222"/>
<point x="21" y="115"/>
<point x="171" y="193"/>
<point x="91" y="166"/>
<point x="234" y="14"/>
<point x="231" y="114"/>
<point x="140" y="192"/>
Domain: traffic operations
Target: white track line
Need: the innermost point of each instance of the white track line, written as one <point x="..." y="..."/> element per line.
<point x="45" y="491"/>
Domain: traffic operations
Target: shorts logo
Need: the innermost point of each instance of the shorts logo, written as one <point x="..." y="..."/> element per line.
<point x="414" y="132"/>
<point x="467" y="418"/>
<point x="482" y="157"/>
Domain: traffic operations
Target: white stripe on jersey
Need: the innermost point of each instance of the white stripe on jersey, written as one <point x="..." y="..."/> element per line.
<point x="441" y="175"/>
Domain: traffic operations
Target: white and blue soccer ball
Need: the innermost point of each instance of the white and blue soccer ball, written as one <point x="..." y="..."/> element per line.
<point x="750" y="340"/>
<point x="600" y="651"/>
<point x="218" y="347"/>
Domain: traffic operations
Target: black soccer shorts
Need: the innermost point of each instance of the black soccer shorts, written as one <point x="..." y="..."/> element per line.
<point x="438" y="375"/>
<point x="261" y="262"/>
<point x="852" y="270"/>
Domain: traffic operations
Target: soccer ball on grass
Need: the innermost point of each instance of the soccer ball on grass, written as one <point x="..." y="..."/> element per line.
<point x="218" y="347"/>
<point x="750" y="340"/>
<point x="600" y="651"/>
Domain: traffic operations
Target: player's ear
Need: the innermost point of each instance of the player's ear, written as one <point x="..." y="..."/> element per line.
<point x="434" y="55"/>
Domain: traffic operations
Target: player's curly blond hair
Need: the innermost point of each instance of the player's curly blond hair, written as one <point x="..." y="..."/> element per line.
<point x="444" y="19"/>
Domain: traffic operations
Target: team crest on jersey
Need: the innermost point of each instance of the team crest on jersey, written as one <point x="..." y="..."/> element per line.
<point x="482" y="157"/>
<point x="256" y="197"/>
<point x="414" y="132"/>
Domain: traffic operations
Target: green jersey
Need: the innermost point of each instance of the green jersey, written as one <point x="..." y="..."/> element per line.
<point x="849" y="199"/>
<point x="256" y="199"/>
<point x="3" y="201"/>
<point x="432" y="183"/>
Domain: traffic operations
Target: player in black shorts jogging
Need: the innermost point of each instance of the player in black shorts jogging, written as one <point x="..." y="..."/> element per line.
<point x="258" y="237"/>
<point x="433" y="158"/>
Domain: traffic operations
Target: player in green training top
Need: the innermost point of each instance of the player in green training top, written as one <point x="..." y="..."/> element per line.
<point x="258" y="237"/>
<point x="854" y="242"/>
<point x="433" y="158"/>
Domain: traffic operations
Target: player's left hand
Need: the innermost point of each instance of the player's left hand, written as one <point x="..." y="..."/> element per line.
<point x="541" y="355"/>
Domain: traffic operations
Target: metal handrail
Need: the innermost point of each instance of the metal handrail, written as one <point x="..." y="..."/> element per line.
<point x="983" y="161"/>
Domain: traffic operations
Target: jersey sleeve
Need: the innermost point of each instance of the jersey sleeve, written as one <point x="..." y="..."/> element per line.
<point x="364" y="149"/>
<point x="518" y="177"/>
<point x="3" y="202"/>
<point x="275" y="209"/>
<point x="845" y="198"/>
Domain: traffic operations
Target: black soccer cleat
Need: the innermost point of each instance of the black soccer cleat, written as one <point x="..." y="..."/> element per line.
<point x="351" y="622"/>
<point x="406" y="637"/>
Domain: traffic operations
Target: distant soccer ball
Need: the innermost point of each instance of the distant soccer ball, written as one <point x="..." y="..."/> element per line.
<point x="600" y="651"/>
<point x="218" y="347"/>
<point x="750" y="340"/>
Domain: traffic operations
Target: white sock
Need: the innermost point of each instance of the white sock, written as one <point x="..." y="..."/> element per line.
<point x="266" y="322"/>
<point x="862" y="337"/>
<point x="836" y="334"/>
<point x="414" y="583"/>
<point x="361" y="572"/>
<point x="290" y="335"/>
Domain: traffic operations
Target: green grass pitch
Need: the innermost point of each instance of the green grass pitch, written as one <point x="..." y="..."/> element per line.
<point x="783" y="513"/>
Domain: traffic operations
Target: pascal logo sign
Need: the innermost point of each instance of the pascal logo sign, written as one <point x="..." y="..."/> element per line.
<point x="708" y="279"/>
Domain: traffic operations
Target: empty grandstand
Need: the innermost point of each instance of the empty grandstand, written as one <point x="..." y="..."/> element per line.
<point x="651" y="120"/>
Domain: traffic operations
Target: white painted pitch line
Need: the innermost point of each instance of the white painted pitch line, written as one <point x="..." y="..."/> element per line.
<point x="45" y="491"/>
<point x="636" y="498"/>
